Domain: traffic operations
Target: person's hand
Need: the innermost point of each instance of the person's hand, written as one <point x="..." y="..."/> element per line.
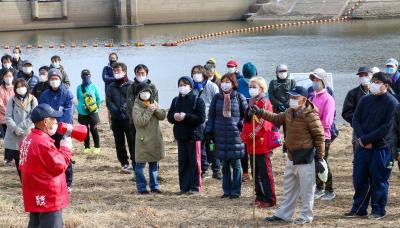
<point x="361" y="143"/>
<point x="183" y="115"/>
<point x="369" y="146"/>
<point x="153" y="107"/>
<point x="18" y="131"/>
<point x="178" y="117"/>
<point x="256" y="110"/>
<point x="281" y="107"/>
<point x="67" y="142"/>
<point x="319" y="167"/>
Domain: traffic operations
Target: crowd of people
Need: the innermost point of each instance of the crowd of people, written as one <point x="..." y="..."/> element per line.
<point x="226" y="122"/>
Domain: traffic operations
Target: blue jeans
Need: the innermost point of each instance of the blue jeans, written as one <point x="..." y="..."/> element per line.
<point x="141" y="182"/>
<point x="232" y="181"/>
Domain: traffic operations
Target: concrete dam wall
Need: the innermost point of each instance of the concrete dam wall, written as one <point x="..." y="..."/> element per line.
<point x="48" y="14"/>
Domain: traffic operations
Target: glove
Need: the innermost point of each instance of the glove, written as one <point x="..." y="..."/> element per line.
<point x="66" y="142"/>
<point x="208" y="138"/>
<point x="319" y="167"/>
<point x="256" y="110"/>
<point x="18" y="131"/>
<point x="281" y="107"/>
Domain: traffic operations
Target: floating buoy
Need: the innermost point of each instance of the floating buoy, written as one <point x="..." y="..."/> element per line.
<point x="39" y="46"/>
<point x="73" y="45"/>
<point x="17" y="46"/>
<point x="51" y="46"/>
<point x="62" y="45"/>
<point x="139" y="44"/>
<point x="6" y="47"/>
<point x="153" y="44"/>
<point x="84" y="45"/>
<point x="95" y="45"/>
<point x="29" y="46"/>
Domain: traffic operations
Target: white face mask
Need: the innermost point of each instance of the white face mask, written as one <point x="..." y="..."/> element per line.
<point x="141" y="78"/>
<point x="43" y="77"/>
<point x="27" y="70"/>
<point x="198" y="77"/>
<point x="118" y="76"/>
<point x="231" y="70"/>
<point x="145" y="96"/>
<point x="365" y="81"/>
<point x="183" y="90"/>
<point x="282" y="75"/>
<point x="8" y="80"/>
<point x="226" y="86"/>
<point x="293" y="103"/>
<point x="16" y="56"/>
<point x="254" y="92"/>
<point x="53" y="129"/>
<point x="7" y="65"/>
<point x="375" y="88"/>
<point x="21" y="91"/>
<point x="55" y="84"/>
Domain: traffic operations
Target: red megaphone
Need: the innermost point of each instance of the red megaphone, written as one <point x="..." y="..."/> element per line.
<point x="77" y="132"/>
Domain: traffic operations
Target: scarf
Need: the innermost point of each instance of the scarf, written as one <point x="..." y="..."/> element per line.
<point x="227" y="109"/>
<point x="199" y="85"/>
<point x="22" y="102"/>
<point x="121" y="81"/>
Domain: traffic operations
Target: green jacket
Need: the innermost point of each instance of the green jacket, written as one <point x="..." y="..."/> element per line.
<point x="149" y="143"/>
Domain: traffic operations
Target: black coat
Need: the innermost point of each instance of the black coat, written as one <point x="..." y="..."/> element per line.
<point x="190" y="129"/>
<point x="116" y="100"/>
<point x="40" y="88"/>
<point x="351" y="102"/>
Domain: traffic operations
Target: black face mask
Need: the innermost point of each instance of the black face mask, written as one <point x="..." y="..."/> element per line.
<point x="112" y="61"/>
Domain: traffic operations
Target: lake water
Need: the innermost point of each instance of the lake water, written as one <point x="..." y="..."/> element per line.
<point x="339" y="48"/>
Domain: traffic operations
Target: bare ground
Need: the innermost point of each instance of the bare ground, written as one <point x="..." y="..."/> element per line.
<point x="103" y="197"/>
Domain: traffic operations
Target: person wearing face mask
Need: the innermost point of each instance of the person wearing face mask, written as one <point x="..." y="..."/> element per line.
<point x="17" y="61"/>
<point x="43" y="167"/>
<point x="305" y="142"/>
<point x="187" y="114"/>
<point x="264" y="183"/>
<point x="354" y="96"/>
<point x="206" y="90"/>
<point x="213" y="63"/>
<point x="43" y="82"/>
<point x="141" y="76"/>
<point x="225" y="121"/>
<point x="326" y="107"/>
<point x="6" y="92"/>
<point x="249" y="71"/>
<point x="278" y="92"/>
<point x="373" y="124"/>
<point x="18" y="120"/>
<point x="120" y="121"/>
<point x="392" y="69"/>
<point x="28" y="75"/>
<point x="232" y="67"/>
<point x="149" y="141"/>
<point x="6" y="61"/>
<point x="108" y="74"/>
<point x="211" y="74"/>
<point x="56" y="64"/>
<point x="89" y="102"/>
<point x="61" y="99"/>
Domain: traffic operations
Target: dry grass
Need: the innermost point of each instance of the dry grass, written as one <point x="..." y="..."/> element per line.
<point x="102" y="197"/>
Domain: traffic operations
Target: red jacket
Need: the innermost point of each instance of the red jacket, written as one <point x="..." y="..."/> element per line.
<point x="263" y="129"/>
<point x="43" y="168"/>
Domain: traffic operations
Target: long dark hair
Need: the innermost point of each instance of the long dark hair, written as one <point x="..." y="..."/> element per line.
<point x="24" y="83"/>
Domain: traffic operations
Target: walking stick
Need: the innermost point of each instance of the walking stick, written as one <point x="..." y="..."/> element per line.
<point x="254" y="168"/>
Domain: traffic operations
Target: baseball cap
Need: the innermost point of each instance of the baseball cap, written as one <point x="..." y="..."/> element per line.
<point x="298" y="91"/>
<point x="44" y="111"/>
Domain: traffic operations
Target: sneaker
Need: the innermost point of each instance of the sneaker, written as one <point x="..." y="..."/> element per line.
<point x="301" y="221"/>
<point x="217" y="175"/>
<point x="352" y="214"/>
<point x="328" y="196"/>
<point x="8" y="163"/>
<point x="193" y="193"/>
<point x="156" y="191"/>
<point x="224" y="196"/>
<point x="234" y="197"/>
<point x="70" y="189"/>
<point x="376" y="216"/>
<point x="318" y="193"/>
<point x="273" y="219"/>
<point x="96" y="151"/>
<point x="246" y="177"/>
<point x="86" y="151"/>
<point x="264" y="205"/>
<point x="144" y="193"/>
<point x="204" y="175"/>
<point x="125" y="169"/>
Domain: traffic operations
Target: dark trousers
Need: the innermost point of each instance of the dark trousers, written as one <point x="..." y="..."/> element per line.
<point x="69" y="173"/>
<point x="264" y="186"/>
<point x="371" y="173"/>
<point x="204" y="158"/>
<point x="329" y="182"/>
<point x="215" y="163"/>
<point x="123" y="129"/>
<point x="46" y="219"/>
<point x="3" y="129"/>
<point x="189" y="162"/>
<point x="91" y="122"/>
<point x="245" y="163"/>
<point x="13" y="155"/>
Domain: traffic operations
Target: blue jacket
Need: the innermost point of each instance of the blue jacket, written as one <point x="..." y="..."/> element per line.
<point x="31" y="79"/>
<point x="90" y="89"/>
<point x="60" y="100"/>
<point x="108" y="76"/>
<point x="226" y="131"/>
<point x="373" y="120"/>
<point x="116" y="100"/>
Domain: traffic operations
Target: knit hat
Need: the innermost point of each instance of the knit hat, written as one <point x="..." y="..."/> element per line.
<point x="55" y="72"/>
<point x="249" y="70"/>
<point x="187" y="79"/>
<point x="320" y="74"/>
<point x="143" y="86"/>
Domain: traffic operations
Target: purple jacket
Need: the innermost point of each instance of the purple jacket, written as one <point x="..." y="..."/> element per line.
<point x="326" y="109"/>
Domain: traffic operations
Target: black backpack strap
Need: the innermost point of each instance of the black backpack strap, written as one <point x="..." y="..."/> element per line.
<point x="241" y="108"/>
<point x="83" y="89"/>
<point x="197" y="97"/>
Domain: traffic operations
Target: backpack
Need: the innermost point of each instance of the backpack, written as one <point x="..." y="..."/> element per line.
<point x="89" y="101"/>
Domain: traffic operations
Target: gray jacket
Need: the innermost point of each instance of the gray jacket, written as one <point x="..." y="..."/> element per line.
<point x="18" y="120"/>
<point x="207" y="94"/>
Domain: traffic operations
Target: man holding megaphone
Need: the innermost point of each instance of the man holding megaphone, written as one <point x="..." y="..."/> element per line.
<point x="43" y="167"/>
